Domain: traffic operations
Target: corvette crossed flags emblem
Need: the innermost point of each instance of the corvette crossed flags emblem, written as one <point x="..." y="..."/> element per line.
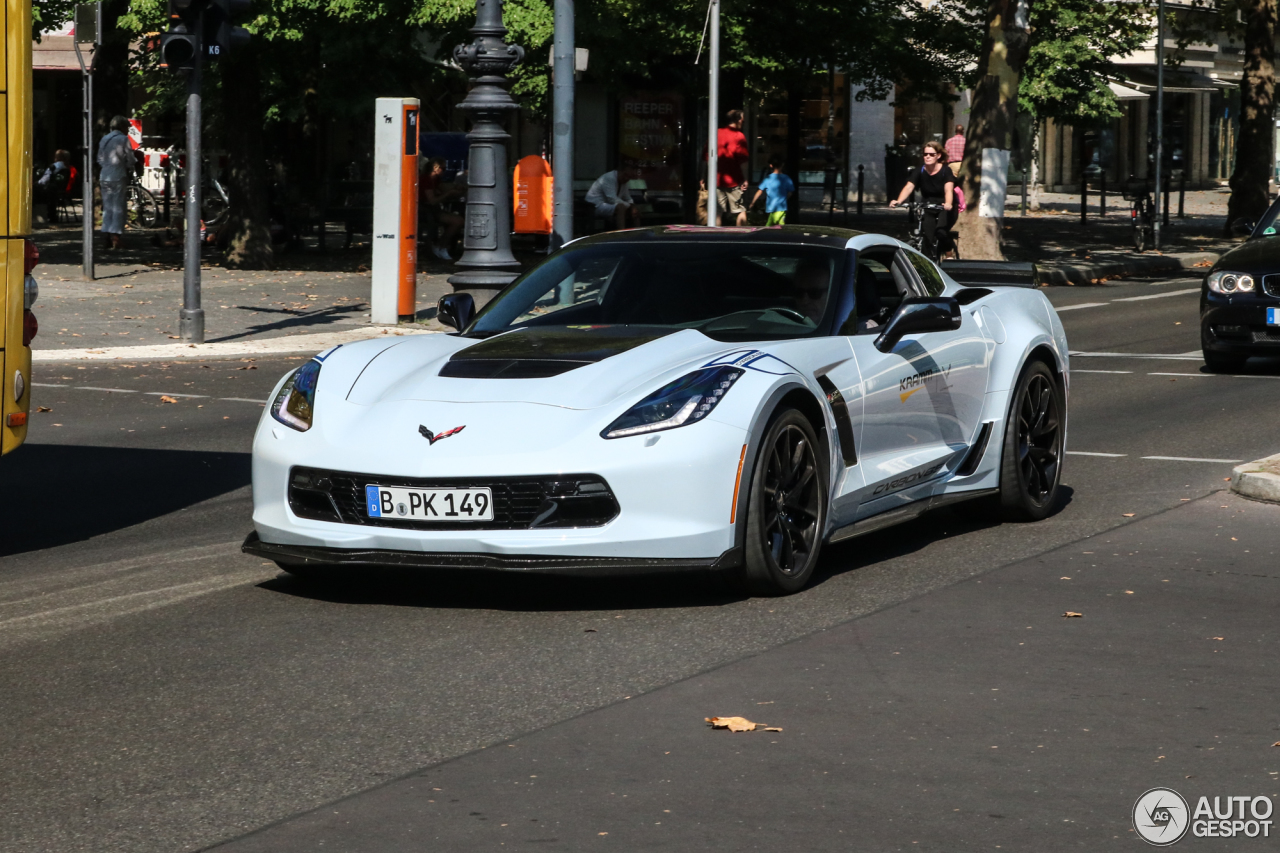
<point x="433" y="437"/>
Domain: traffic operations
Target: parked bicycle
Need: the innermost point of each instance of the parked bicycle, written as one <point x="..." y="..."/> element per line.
<point x="141" y="205"/>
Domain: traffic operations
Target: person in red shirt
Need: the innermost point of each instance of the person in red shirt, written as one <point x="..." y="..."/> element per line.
<point x="731" y="153"/>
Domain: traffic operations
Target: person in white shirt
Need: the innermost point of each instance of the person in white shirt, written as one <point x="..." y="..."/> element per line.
<point x="610" y="195"/>
<point x="115" y="157"/>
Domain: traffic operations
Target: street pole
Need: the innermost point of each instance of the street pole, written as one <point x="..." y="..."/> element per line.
<point x="191" y="317"/>
<point x="562" y="124"/>
<point x="713" y="118"/>
<point x="487" y="264"/>
<point x="88" y="22"/>
<point x="1156" y="226"/>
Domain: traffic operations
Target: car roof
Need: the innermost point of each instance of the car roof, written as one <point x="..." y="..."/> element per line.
<point x="814" y="235"/>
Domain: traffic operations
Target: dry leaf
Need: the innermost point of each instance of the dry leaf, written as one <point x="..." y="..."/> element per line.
<point x="772" y="729"/>
<point x="1215" y="638"/>
<point x="43" y="409"/>
<point x="1128" y="592"/>
<point x="1128" y="514"/>
<point x="167" y="399"/>
<point x="733" y="724"/>
<point x="1071" y="613"/>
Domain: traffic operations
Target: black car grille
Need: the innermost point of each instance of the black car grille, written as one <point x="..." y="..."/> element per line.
<point x="1266" y="336"/>
<point x="1271" y="285"/>
<point x="519" y="503"/>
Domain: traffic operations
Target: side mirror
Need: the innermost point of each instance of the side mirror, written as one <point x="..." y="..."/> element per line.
<point x="457" y="310"/>
<point x="918" y="315"/>
<point x="1242" y="227"/>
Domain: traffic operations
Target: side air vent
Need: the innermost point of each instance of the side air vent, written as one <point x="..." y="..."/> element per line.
<point x="844" y="426"/>
<point x="970" y="463"/>
<point x="508" y="368"/>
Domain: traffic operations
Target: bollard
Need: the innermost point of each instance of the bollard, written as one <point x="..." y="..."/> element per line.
<point x="1102" y="194"/>
<point x="860" y="178"/>
<point x="1166" y="199"/>
<point x="1182" y="196"/>
<point x="1084" y="196"/>
<point x="1023" y="209"/>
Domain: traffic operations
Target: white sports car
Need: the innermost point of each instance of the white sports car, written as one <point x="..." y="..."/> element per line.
<point x="668" y="398"/>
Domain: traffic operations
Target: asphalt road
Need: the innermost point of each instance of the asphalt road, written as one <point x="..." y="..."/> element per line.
<point x="163" y="692"/>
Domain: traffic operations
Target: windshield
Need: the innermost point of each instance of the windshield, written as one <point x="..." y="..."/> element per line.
<point x="727" y="291"/>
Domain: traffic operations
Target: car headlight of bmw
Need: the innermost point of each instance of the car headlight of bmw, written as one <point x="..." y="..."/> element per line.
<point x="294" y="406"/>
<point x="1230" y="282"/>
<point x="687" y="400"/>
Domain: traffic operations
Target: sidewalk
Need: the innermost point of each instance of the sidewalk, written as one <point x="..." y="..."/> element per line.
<point x="976" y="717"/>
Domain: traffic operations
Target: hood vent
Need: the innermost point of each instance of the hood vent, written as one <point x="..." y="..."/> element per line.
<point x="508" y="368"/>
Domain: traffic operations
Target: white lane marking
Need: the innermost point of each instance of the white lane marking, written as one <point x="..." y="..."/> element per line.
<point x="1180" y="374"/>
<point x="244" y="400"/>
<point x="1062" y="308"/>
<point x="1157" y="295"/>
<point x="1188" y="356"/>
<point x="47" y="385"/>
<point x="1086" y="453"/>
<point x="109" y="390"/>
<point x="1252" y="376"/>
<point x="1192" y="459"/>
<point x="172" y="394"/>
<point x="1081" y="370"/>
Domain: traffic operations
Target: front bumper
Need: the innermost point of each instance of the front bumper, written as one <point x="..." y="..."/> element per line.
<point x="303" y="555"/>
<point x="1237" y="324"/>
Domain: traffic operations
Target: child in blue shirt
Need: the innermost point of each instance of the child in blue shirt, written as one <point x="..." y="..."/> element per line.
<point x="776" y="187"/>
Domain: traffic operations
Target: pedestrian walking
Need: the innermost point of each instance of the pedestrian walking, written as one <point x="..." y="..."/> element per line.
<point x="731" y="153"/>
<point x="776" y="188"/>
<point x="116" y="161"/>
<point x="610" y="195"/>
<point x="955" y="150"/>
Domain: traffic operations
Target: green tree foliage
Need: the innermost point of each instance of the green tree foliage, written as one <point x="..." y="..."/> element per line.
<point x="48" y="15"/>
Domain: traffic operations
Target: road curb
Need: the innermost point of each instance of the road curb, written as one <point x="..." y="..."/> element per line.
<point x="1259" y="480"/>
<point x="1089" y="274"/>
<point x="224" y="349"/>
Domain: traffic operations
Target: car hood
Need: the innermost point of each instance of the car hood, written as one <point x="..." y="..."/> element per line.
<point x="575" y="368"/>
<point x="1254" y="256"/>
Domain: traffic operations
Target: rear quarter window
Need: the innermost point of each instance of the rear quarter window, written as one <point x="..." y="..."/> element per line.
<point x="929" y="275"/>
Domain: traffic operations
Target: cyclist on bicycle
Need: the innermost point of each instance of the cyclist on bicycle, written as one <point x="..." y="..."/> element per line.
<point x="937" y="186"/>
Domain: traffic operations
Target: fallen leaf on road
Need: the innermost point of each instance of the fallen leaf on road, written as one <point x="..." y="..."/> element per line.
<point x="733" y="724"/>
<point x="589" y="631"/>
<point x="1071" y="613"/>
<point x="1234" y="539"/>
<point x="43" y="409"/>
<point x="1128" y="514"/>
<point x="772" y="729"/>
<point x="173" y="337"/>
<point x="1215" y="638"/>
<point x="1277" y="743"/>
<point x="1128" y="592"/>
<point x="1064" y="578"/>
<point x="167" y="399"/>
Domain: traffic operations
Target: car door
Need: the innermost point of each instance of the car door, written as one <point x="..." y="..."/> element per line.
<point x="921" y="400"/>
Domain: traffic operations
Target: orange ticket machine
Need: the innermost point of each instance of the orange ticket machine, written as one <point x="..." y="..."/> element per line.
<point x="395" y="211"/>
<point x="533" y="196"/>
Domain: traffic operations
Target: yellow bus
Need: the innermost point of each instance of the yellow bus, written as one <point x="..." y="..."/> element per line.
<point x="17" y="252"/>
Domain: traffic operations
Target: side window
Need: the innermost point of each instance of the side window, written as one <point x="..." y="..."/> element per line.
<point x="929" y="275"/>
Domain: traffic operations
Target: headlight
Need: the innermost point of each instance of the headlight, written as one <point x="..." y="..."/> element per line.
<point x="687" y="400"/>
<point x="295" y="404"/>
<point x="1230" y="282"/>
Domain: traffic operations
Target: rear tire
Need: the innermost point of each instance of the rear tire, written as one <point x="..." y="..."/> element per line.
<point x="786" y="508"/>
<point x="1139" y="238"/>
<point x="1031" y="455"/>
<point x="1218" y="362"/>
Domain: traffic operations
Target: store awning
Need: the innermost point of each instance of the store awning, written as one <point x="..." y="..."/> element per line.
<point x="1144" y="80"/>
<point x="1124" y="93"/>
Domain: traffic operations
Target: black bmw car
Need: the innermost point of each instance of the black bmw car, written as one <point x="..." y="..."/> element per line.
<point x="1240" y="300"/>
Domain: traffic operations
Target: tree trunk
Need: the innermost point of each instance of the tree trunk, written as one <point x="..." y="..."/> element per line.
<point x="991" y="125"/>
<point x="1254" y="151"/>
<point x="795" y="141"/>
<point x="249" y="219"/>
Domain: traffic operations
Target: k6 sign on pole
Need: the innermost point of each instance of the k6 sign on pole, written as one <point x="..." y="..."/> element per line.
<point x="395" y="211"/>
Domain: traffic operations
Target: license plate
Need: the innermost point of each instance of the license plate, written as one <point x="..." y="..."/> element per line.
<point x="1273" y="316"/>
<point x="429" y="504"/>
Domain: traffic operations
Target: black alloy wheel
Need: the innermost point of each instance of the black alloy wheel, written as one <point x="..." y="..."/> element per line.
<point x="1031" y="465"/>
<point x="786" y="509"/>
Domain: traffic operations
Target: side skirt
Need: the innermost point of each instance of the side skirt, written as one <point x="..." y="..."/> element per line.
<point x="906" y="513"/>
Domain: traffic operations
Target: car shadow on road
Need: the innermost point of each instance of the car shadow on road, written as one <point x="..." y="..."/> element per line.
<point x="521" y="592"/>
<point x="57" y="493"/>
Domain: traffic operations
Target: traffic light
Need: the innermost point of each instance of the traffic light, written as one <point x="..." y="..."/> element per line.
<point x="180" y="44"/>
<point x="220" y="35"/>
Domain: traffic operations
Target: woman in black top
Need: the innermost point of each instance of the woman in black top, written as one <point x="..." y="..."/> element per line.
<point x="937" y="186"/>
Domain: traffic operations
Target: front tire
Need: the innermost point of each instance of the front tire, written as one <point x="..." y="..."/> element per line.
<point x="1218" y="362"/>
<point x="786" y="508"/>
<point x="1031" y="458"/>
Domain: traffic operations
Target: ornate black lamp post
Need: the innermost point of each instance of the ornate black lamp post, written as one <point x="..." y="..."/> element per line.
<point x="487" y="264"/>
